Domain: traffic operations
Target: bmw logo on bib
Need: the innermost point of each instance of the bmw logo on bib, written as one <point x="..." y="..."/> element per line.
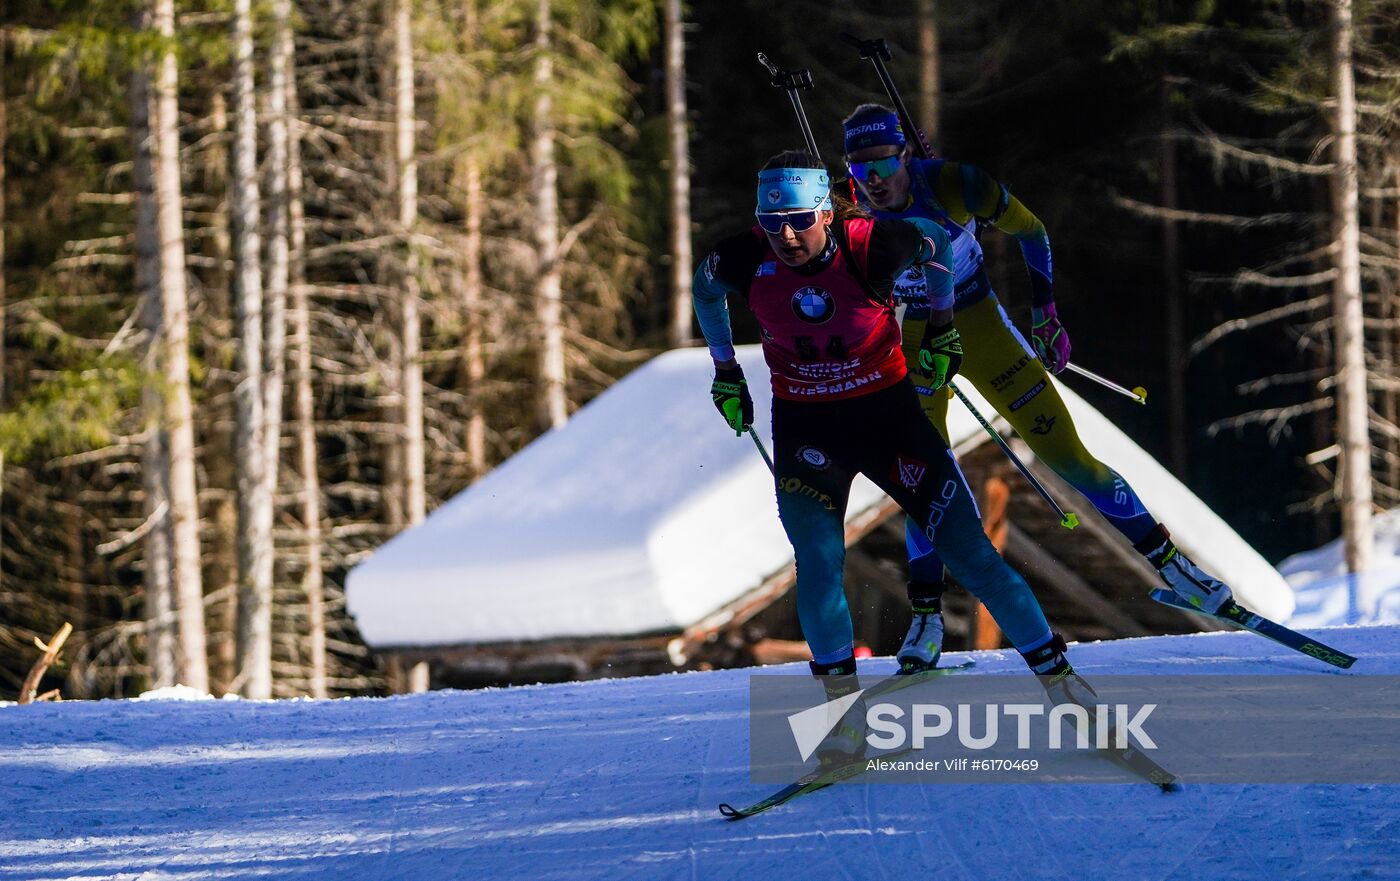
<point x="813" y="305"/>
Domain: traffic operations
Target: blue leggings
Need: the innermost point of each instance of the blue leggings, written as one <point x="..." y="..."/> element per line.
<point x="819" y="447"/>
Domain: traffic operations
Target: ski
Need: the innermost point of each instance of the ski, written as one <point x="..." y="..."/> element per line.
<point x="1130" y="758"/>
<point x="822" y="778"/>
<point x="817" y="779"/>
<point x="1137" y="762"/>
<point x="898" y="681"/>
<point x="1239" y="616"/>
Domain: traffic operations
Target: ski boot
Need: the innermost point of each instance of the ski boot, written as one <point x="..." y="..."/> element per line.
<point x="1065" y="687"/>
<point x="1062" y="684"/>
<point x="924" y="642"/>
<point x="846" y="742"/>
<point x="1184" y="577"/>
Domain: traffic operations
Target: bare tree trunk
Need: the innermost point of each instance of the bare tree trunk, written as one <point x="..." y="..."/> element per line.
<point x="392" y="480"/>
<point x="1392" y="332"/>
<point x="254" y="502"/>
<point x="1352" y="404"/>
<point x="220" y="463"/>
<point x="276" y="271"/>
<point x="4" y="130"/>
<point x="678" y="125"/>
<point x="930" y="89"/>
<point x="1385" y="360"/>
<point x="313" y="579"/>
<point x="548" y="280"/>
<point x="411" y="366"/>
<point x="76" y="546"/>
<point x="474" y="354"/>
<point x="161" y="642"/>
<point x="179" y="415"/>
<point x="275" y="275"/>
<point x="1171" y="269"/>
<point x="394" y="494"/>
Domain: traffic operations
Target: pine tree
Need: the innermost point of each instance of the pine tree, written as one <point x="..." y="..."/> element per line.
<point x="309" y="490"/>
<point x="406" y="164"/>
<point x="1353" y="402"/>
<point x="161" y="637"/>
<point x="255" y="567"/>
<point x="678" y="127"/>
<point x="178" y="407"/>
<point x="930" y="88"/>
<point x="544" y="173"/>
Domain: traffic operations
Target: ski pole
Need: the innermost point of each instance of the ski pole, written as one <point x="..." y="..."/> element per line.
<point x="1138" y="394"/>
<point x="878" y="53"/>
<point x="1068" y="519"/>
<point x="791" y="81"/>
<point x="763" y="451"/>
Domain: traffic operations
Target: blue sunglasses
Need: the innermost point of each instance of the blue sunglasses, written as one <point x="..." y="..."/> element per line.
<point x="800" y="221"/>
<point x="885" y="168"/>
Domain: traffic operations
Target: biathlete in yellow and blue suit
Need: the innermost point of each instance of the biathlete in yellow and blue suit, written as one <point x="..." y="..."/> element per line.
<point x="1011" y="375"/>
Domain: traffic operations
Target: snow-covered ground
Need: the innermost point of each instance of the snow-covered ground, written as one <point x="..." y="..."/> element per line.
<point x="1326" y="595"/>
<point x="620" y="779"/>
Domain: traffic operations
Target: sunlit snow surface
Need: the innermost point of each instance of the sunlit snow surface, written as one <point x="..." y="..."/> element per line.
<point x="1327" y="595"/>
<point x="620" y="779"/>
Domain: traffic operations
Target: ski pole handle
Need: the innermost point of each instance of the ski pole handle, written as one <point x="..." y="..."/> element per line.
<point x="1138" y="394"/>
<point x="877" y="52"/>
<point x="876" y="48"/>
<point x="791" y="81"/>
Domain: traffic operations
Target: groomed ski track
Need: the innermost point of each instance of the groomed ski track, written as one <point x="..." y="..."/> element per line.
<point x="619" y="779"/>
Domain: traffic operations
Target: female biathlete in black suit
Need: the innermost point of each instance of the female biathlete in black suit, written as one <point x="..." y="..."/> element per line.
<point x="843" y="401"/>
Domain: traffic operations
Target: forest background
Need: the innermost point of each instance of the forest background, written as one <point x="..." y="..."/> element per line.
<point x="277" y="278"/>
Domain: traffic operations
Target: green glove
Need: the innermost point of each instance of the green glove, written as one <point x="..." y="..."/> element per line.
<point x="940" y="357"/>
<point x="730" y="392"/>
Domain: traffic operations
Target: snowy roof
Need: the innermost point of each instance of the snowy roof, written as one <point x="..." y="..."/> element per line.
<point x="1327" y="595"/>
<point x="644" y="514"/>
